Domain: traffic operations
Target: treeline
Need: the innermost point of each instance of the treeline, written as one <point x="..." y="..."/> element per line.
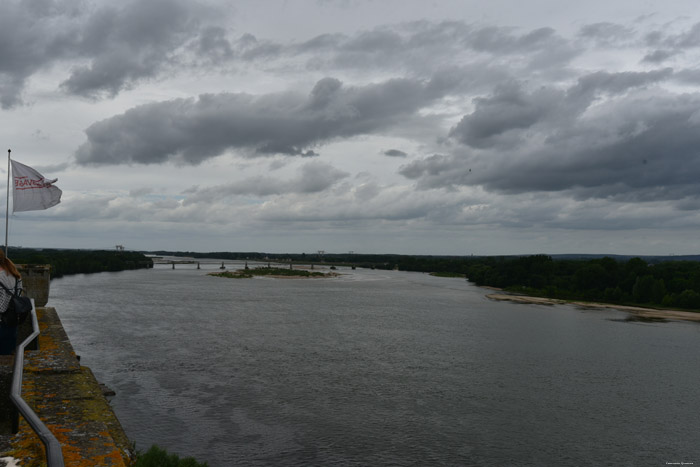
<point x="621" y="280"/>
<point x="361" y="260"/>
<point x="66" y="262"/>
<point x="669" y="284"/>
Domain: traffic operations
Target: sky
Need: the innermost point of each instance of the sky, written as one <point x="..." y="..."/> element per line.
<point x="445" y="127"/>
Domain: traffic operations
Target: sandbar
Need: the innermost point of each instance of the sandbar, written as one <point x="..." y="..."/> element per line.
<point x="649" y="313"/>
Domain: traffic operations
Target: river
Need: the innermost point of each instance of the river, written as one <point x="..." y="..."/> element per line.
<point x="376" y="368"/>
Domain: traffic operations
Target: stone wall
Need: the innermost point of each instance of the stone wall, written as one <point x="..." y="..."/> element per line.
<point x="65" y="395"/>
<point x="36" y="279"/>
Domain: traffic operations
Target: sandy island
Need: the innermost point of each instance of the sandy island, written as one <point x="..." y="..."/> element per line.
<point x="647" y="313"/>
<point x="326" y="275"/>
<point x="264" y="273"/>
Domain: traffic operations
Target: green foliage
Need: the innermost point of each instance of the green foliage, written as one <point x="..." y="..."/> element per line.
<point x="285" y="272"/>
<point x="671" y="284"/>
<point x="688" y="299"/>
<point x="232" y="275"/>
<point x="158" y="457"/>
<point x="447" y="274"/>
<point x="668" y="282"/>
<point x="249" y="273"/>
<point x="66" y="262"/>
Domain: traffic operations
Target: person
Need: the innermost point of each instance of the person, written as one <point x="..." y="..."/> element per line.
<point x="9" y="276"/>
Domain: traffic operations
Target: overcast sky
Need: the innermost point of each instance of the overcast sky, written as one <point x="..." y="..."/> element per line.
<point x="375" y="126"/>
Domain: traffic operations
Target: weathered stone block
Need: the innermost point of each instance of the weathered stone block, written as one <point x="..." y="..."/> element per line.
<point x="36" y="279"/>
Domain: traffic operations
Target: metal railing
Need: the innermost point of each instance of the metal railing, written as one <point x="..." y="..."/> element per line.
<point x="54" y="455"/>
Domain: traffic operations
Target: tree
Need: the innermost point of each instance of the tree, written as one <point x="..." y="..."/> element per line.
<point x="642" y="291"/>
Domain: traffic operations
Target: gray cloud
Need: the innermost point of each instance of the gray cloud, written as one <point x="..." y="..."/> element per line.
<point x="496" y="119"/>
<point x="420" y="47"/>
<point x="690" y="38"/>
<point x="691" y="76"/>
<point x="665" y="44"/>
<point x="659" y="56"/>
<point x="213" y="44"/>
<point x="638" y="147"/>
<point x="520" y="128"/>
<point x="394" y="153"/>
<point x="314" y="177"/>
<point x="138" y="192"/>
<point x="111" y="46"/>
<point x="606" y="33"/>
<point x="192" y="130"/>
<point x="615" y="83"/>
<point x="23" y="52"/>
<point x="134" y="42"/>
<point x="512" y="113"/>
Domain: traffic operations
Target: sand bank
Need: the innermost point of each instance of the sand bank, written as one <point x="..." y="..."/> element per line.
<point x="649" y="313"/>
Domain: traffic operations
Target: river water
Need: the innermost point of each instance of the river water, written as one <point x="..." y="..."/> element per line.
<point x="377" y="368"/>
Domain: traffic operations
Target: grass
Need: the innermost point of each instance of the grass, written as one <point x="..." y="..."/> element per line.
<point x="248" y="273"/>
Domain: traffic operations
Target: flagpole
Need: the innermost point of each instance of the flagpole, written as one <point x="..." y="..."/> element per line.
<point x="7" y="200"/>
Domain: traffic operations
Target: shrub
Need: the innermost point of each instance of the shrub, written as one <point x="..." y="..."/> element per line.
<point x="158" y="457"/>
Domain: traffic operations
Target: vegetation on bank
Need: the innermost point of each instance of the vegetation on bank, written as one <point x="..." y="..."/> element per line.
<point x="249" y="273"/>
<point x="447" y="274"/>
<point x="668" y="282"/>
<point x="159" y="457"/>
<point x="66" y="262"/>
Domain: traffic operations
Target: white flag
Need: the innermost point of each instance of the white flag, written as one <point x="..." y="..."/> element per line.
<point x="32" y="191"/>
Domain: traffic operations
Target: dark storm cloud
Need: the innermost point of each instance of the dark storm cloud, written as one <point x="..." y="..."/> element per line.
<point x="116" y="45"/>
<point x="512" y="112"/>
<point x="113" y="46"/>
<point x="23" y="50"/>
<point x="133" y="42"/>
<point x="638" y="147"/>
<point x="192" y="130"/>
<point x="497" y="118"/>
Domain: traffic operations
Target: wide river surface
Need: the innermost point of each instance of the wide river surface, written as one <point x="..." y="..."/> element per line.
<point x="376" y="368"/>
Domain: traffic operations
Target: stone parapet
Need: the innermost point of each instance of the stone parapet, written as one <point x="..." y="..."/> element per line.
<point x="69" y="400"/>
<point x="36" y="279"/>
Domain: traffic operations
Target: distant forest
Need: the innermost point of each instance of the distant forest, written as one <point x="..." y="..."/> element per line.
<point x="656" y="282"/>
<point x="65" y="262"/>
<point x="649" y="281"/>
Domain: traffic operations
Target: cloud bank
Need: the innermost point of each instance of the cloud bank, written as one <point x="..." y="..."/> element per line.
<point x="412" y="129"/>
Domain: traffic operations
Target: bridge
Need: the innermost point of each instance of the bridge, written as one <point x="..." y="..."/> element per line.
<point x="225" y="264"/>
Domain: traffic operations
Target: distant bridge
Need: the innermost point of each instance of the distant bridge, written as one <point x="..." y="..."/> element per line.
<point x="199" y="263"/>
<point x="223" y="264"/>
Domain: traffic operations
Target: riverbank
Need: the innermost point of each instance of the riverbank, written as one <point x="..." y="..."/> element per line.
<point x="641" y="312"/>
